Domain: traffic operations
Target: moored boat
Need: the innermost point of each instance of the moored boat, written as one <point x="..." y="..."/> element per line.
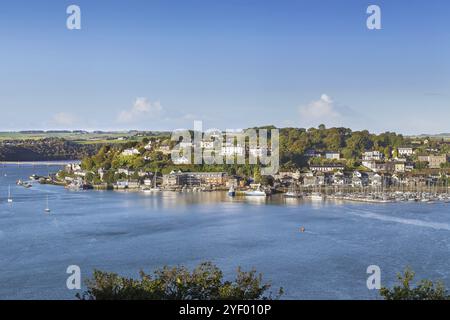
<point x="316" y="196"/>
<point x="258" y="192"/>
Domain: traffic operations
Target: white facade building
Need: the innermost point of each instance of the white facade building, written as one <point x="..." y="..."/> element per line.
<point x="406" y="152"/>
<point x="130" y="152"/>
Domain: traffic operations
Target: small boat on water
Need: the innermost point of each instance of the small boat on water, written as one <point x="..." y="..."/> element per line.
<point x="316" y="196"/>
<point x="258" y="192"/>
<point x="10" y="200"/>
<point x="292" y="193"/>
<point x="231" y="191"/>
<point x="47" y="208"/>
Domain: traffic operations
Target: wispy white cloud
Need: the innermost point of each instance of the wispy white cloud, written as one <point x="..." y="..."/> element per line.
<point x="320" y="111"/>
<point x="64" y="119"/>
<point x="142" y="108"/>
<point x="327" y="111"/>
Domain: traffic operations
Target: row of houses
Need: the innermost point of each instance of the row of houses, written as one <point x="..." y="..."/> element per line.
<point x="366" y="179"/>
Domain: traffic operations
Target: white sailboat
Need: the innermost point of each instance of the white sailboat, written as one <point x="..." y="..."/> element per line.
<point x="10" y="200"/>
<point x="154" y="187"/>
<point x="47" y="208"/>
<point x="293" y="193"/>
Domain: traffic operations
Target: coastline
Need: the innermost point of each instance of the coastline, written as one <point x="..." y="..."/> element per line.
<point x="40" y="163"/>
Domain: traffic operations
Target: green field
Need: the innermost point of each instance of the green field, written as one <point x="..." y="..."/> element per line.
<point x="81" y="138"/>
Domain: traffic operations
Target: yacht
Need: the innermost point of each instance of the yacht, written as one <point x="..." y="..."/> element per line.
<point x="256" y="193"/>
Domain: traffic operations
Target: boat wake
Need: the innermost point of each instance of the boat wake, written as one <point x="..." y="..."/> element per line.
<point x="414" y="222"/>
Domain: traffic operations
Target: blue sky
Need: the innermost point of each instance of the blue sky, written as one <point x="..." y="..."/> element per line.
<point x="231" y="63"/>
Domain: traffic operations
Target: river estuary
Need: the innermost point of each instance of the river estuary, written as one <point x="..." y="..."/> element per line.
<point x="128" y="231"/>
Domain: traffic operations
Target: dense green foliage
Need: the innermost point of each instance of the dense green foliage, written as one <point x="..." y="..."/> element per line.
<point x="424" y="290"/>
<point x="295" y="142"/>
<point x="44" y="149"/>
<point x="205" y="282"/>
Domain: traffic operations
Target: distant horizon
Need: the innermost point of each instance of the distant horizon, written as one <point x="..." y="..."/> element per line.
<point x="31" y="131"/>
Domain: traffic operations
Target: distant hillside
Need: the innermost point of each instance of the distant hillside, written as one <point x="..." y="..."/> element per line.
<point x="439" y="136"/>
<point x="44" y="149"/>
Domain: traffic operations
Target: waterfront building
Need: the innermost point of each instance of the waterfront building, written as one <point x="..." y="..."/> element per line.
<point x="287" y="174"/>
<point x="133" y="184"/>
<point x="175" y="179"/>
<point x="122" y="184"/>
<point x="360" y="179"/>
<point x="340" y="178"/>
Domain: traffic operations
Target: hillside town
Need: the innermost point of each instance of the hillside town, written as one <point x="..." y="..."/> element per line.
<point x="418" y="168"/>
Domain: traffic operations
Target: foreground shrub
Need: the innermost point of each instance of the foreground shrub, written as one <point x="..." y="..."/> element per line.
<point x="424" y="290"/>
<point x="205" y="282"/>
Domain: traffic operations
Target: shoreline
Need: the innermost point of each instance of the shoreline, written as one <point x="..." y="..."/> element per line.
<point x="43" y="162"/>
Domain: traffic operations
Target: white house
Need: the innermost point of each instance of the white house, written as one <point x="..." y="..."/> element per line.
<point x="232" y="150"/>
<point x="332" y="155"/>
<point x="207" y="144"/>
<point x="312" y="154"/>
<point x="373" y="155"/>
<point x="149" y="146"/>
<point x="405" y="151"/>
<point x="257" y="152"/>
<point x="125" y="171"/>
<point x="130" y="152"/>
<point x="181" y="160"/>
<point x="327" y="167"/>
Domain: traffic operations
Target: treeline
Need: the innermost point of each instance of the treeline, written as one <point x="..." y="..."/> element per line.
<point x="49" y="149"/>
<point x="294" y="143"/>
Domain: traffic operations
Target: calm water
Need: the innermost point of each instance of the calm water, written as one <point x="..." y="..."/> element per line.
<point x="126" y="231"/>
